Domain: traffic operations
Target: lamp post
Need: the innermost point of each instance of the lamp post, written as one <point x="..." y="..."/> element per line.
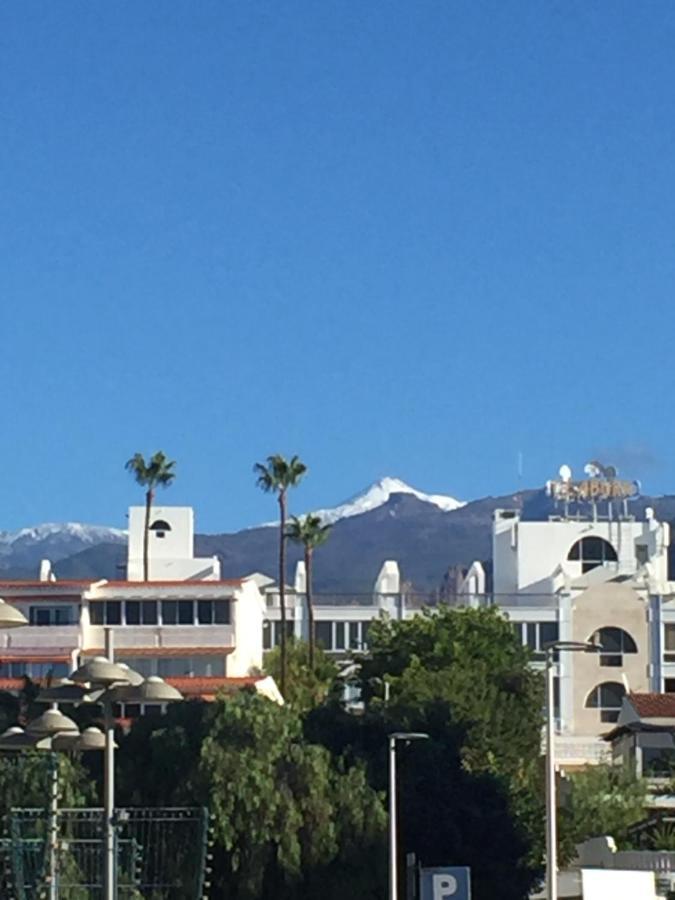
<point x="550" y="650"/>
<point x="405" y="736"/>
<point x="112" y="683"/>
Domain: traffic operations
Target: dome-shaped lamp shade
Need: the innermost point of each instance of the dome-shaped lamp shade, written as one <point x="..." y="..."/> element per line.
<point x="15" y="738"/>
<point x="65" y="740"/>
<point x="100" y="671"/>
<point x="91" y="739"/>
<point x="153" y="690"/>
<point x="62" y="691"/>
<point x="133" y="676"/>
<point x="10" y="617"/>
<point x="50" y="723"/>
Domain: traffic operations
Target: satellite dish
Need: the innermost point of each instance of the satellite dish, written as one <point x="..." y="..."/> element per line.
<point x="565" y="473"/>
<point x="592" y="470"/>
<point x="649" y="513"/>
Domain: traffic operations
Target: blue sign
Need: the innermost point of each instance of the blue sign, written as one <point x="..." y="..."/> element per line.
<point x="445" y="883"/>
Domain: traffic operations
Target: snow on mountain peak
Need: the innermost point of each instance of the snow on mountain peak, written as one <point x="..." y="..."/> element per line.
<point x="379" y="493"/>
<point x="88" y="534"/>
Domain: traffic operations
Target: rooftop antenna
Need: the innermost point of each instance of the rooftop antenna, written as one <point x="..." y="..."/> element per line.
<point x="519" y="464"/>
<point x="565" y="474"/>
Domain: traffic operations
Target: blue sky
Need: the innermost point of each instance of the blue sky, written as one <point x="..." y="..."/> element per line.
<point x="394" y="238"/>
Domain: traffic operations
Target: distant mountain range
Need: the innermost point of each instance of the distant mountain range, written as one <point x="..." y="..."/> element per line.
<point x="426" y="533"/>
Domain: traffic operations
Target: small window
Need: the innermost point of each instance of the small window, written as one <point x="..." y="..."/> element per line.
<point x="205" y="612"/>
<point x="324" y="635"/>
<point x="592" y="552"/>
<point x="96" y="613"/>
<point x="614" y="642"/>
<point x="185" y="612"/>
<point x="113" y="612"/>
<point x="221" y="612"/>
<point x="149" y="612"/>
<point x="169" y="612"/>
<point x="607" y="697"/>
<point x="160" y="528"/>
<point x="132" y="611"/>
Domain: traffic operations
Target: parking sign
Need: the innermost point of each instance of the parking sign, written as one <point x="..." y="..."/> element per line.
<point x="445" y="883"/>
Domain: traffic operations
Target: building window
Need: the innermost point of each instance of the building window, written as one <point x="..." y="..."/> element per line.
<point x="340" y="636"/>
<point x="669" y="642"/>
<point x="159" y="527"/>
<point x="113" y="612"/>
<point x="592" y="552"/>
<point x="272" y="633"/>
<point x="607" y="697"/>
<point x="51" y="615"/>
<point x="213" y="612"/>
<point x="614" y="642"/>
<point x="536" y="635"/>
<point x="36" y="670"/>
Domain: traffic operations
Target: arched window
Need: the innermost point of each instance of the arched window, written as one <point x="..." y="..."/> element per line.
<point x="607" y="697"/>
<point x="160" y="527"/>
<point x="614" y="642"/>
<point x="592" y="552"/>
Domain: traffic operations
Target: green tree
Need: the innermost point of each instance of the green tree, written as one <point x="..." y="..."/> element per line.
<point x="157" y="472"/>
<point x="600" y="800"/>
<point x="308" y="685"/>
<point x="311" y="533"/>
<point x="462" y="677"/>
<point x="284" y="810"/>
<point x="277" y="476"/>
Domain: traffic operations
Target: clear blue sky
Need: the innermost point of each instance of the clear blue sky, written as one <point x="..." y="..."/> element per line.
<point x="395" y="238"/>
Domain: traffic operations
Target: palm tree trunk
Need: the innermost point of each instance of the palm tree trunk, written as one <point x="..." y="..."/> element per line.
<point x="282" y="588"/>
<point x="146" y="535"/>
<point x="310" y="605"/>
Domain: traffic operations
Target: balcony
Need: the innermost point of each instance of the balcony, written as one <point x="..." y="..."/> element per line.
<point x="41" y="638"/>
<point x="132" y="637"/>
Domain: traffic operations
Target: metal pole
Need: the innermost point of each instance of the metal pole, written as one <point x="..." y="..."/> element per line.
<point x="551" y="839"/>
<point x="53" y="825"/>
<point x="109" y="779"/>
<point x="393" y="885"/>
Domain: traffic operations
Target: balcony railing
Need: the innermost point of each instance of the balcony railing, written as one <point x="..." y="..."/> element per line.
<point x="414" y="600"/>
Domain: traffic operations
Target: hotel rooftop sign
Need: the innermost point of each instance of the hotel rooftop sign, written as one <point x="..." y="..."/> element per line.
<point x="593" y="490"/>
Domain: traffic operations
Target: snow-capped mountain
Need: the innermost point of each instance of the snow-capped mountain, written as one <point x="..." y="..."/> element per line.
<point x="378" y="494"/>
<point x="54" y="541"/>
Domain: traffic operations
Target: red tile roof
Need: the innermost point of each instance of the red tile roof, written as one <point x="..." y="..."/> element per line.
<point x="209" y="687"/>
<point x="191" y="582"/>
<point x="654" y="706"/>
<point x="158" y="651"/>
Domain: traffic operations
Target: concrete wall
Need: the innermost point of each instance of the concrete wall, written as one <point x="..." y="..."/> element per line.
<point x="248" y="609"/>
<point x="171" y="557"/>
<point x="607" y="605"/>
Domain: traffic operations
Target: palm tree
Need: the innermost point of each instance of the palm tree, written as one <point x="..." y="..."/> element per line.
<point x="276" y="477"/>
<point x="157" y="472"/>
<point x="309" y="532"/>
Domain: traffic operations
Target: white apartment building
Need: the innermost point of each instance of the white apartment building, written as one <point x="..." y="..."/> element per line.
<point x="185" y="623"/>
<point x="586" y="576"/>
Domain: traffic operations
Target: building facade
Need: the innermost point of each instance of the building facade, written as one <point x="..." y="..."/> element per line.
<point x="185" y="623"/>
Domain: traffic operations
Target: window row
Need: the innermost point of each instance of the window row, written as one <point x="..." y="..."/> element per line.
<point x="17" y="669"/>
<point x="176" y="666"/>
<point x="53" y="615"/>
<point x="536" y="634"/>
<point x="330" y="635"/>
<point x="342" y="635"/>
<point x="160" y="612"/>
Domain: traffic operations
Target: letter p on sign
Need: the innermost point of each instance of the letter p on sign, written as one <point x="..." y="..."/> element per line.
<point x="444" y="886"/>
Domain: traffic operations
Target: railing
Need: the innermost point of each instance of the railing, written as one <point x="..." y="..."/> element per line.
<point x="40" y="637"/>
<point x="414" y="600"/>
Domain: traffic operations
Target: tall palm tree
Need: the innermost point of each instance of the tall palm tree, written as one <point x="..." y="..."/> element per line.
<point x="157" y="472"/>
<point x="311" y="533"/>
<point x="276" y="476"/>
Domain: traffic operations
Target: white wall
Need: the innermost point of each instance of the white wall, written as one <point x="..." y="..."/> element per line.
<point x="247" y="619"/>
<point x="170" y="558"/>
<point x="528" y="553"/>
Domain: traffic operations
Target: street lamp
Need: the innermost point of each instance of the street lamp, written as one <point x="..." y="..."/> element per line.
<point x="108" y="682"/>
<point x="407" y="737"/>
<point x="550" y="650"/>
<point x="10" y="616"/>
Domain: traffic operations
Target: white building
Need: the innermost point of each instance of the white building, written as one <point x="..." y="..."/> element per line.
<point x="185" y="623"/>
